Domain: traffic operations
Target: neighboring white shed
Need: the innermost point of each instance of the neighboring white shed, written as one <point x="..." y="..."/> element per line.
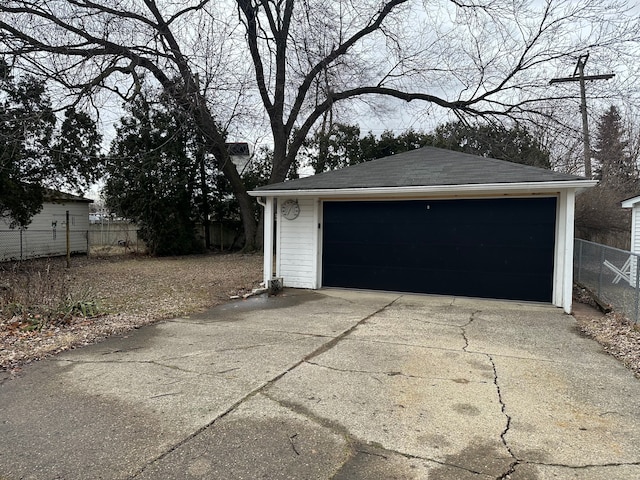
<point x="634" y="204"/>
<point x="45" y="236"/>
<point x="426" y="221"/>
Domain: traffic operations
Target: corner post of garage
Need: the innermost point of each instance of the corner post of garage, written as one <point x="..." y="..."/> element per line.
<point x="563" y="282"/>
<point x="268" y="238"/>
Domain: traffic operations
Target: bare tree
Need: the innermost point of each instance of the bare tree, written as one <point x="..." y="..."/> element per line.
<point x="473" y="57"/>
<point x="87" y="46"/>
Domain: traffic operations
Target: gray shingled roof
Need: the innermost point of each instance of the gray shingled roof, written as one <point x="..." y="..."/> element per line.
<point x="426" y="166"/>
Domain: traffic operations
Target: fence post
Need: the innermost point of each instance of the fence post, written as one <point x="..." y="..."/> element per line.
<point x="600" y="272"/>
<point x="635" y="316"/>
<point x="579" y="260"/>
<point x="68" y="241"/>
<point x="21" y="248"/>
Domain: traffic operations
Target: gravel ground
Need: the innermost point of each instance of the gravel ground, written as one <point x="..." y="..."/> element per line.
<point x="129" y="291"/>
<point x="132" y="291"/>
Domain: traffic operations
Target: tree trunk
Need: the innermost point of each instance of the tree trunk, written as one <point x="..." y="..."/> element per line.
<point x="206" y="210"/>
<point x="244" y="200"/>
<point x="215" y="143"/>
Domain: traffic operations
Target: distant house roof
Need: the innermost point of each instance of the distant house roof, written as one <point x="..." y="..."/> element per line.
<point x="51" y="195"/>
<point x="424" y="167"/>
<point x="238" y="149"/>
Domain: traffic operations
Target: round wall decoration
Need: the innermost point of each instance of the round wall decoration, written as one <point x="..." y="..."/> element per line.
<point x="290" y="209"/>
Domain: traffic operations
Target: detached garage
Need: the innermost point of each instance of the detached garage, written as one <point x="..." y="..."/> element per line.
<point x="426" y="221"/>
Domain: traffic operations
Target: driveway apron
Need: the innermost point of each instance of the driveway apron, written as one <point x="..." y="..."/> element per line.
<point x="334" y="384"/>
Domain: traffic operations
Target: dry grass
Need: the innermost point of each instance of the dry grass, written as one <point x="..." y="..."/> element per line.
<point x="42" y="303"/>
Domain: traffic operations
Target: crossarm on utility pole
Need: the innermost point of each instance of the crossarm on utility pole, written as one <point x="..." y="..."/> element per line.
<point x="579" y="76"/>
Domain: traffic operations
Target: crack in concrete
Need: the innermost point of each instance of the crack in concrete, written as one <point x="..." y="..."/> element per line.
<point x="245" y="347"/>
<point x="158" y="363"/>
<point x="264" y="387"/>
<point x="463" y="328"/>
<point x="302" y="334"/>
<point x="354" y="443"/>
<point x="412" y="345"/>
<point x="584" y="467"/>
<point x="503" y="435"/>
<point x="503" y="408"/>
<point x="388" y="373"/>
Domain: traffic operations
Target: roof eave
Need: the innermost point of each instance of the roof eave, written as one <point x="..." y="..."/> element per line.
<point x="630" y="202"/>
<point x="502" y="188"/>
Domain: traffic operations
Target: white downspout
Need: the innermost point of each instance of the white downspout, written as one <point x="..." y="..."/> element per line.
<point x="268" y="239"/>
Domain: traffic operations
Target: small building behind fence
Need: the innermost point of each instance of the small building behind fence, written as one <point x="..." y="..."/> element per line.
<point x="611" y="274"/>
<point x="46" y="235"/>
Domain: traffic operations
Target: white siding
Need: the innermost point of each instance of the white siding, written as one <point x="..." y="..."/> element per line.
<point x="635" y="229"/>
<point x="635" y="243"/>
<point x="297" y="246"/>
<point x="46" y="234"/>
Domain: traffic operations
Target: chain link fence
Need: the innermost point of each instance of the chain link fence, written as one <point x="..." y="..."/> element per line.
<point x="25" y="244"/>
<point x="611" y="274"/>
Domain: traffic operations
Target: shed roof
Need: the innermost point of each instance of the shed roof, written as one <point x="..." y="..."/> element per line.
<point x="631" y="202"/>
<point x="425" y="167"/>
<point x="56" y="196"/>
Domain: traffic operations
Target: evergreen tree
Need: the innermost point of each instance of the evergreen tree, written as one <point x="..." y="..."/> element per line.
<point x="152" y="177"/>
<point x="34" y="154"/>
<point x="513" y="144"/>
<point x="391" y="144"/>
<point x="617" y="169"/>
<point x="342" y="145"/>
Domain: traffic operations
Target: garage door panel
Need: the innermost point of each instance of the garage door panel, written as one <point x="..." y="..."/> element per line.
<point x="443" y="282"/>
<point x="468" y="257"/>
<point x="486" y="248"/>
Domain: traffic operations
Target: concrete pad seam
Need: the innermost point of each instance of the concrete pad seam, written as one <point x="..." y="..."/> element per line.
<point x="335" y="340"/>
<point x="323" y="348"/>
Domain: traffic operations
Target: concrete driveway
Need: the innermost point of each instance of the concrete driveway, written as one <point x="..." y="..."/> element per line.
<point x="330" y="385"/>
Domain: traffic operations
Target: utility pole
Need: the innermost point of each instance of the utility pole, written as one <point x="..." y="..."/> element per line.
<point x="579" y="76"/>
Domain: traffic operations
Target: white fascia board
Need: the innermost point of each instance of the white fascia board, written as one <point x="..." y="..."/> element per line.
<point x="499" y="188"/>
<point x="629" y="203"/>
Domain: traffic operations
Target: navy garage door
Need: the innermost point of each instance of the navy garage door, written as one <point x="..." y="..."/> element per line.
<point x="492" y="248"/>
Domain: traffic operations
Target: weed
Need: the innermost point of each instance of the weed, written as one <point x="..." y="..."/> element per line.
<point x="38" y="294"/>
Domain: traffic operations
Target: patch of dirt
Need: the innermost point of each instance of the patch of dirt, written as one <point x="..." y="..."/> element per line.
<point x="619" y="336"/>
<point x="130" y="291"/>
